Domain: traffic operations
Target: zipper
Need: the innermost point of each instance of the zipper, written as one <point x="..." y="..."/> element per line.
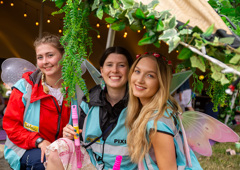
<point x="59" y="119"/>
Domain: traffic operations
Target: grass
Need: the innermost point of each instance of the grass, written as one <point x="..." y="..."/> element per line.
<point x="220" y="160"/>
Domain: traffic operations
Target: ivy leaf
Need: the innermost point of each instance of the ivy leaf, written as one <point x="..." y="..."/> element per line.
<point x="153" y="4"/>
<point x="59" y="3"/>
<point x="167" y="34"/>
<point x="115" y="4"/>
<point x="147" y="40"/>
<point x="149" y="23"/>
<point x="185" y="31"/>
<point x="227" y="40"/>
<point x="173" y="43"/>
<point x="110" y="20"/>
<point x="197" y="35"/>
<point x="209" y="31"/>
<point x="95" y="4"/>
<point x="185" y="54"/>
<point x="172" y="22"/>
<point x="127" y="3"/>
<point x="136" y="25"/>
<point x="198" y="63"/>
<point x="100" y="12"/>
<point x="235" y="59"/>
<point x="198" y="44"/>
<point x="216" y="76"/>
<point x="140" y="14"/>
<point x="157" y="44"/>
<point x="160" y="26"/>
<point x="224" y="80"/>
<point x="118" y="26"/>
<point x="129" y="15"/>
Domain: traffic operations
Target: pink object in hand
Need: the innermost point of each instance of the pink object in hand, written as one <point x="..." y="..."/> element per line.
<point x="117" y="163"/>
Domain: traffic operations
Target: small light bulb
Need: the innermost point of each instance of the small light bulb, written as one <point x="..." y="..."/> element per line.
<point x="37" y="23"/>
<point x="12" y="4"/>
<point x="97" y="25"/>
<point x="25" y="15"/>
<point x="138" y="31"/>
<point x="177" y="51"/>
<point x="1" y="2"/>
<point x="125" y="35"/>
<point x="48" y="21"/>
<point x="60" y="31"/>
<point x="144" y="27"/>
<point x="98" y="36"/>
<point x="108" y="25"/>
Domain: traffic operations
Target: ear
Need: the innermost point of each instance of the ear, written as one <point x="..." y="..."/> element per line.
<point x="101" y="70"/>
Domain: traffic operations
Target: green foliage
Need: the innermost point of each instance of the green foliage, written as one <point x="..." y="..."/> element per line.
<point x="160" y="26"/>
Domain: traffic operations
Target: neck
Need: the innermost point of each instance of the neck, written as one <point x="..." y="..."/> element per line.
<point x="54" y="82"/>
<point x="115" y="95"/>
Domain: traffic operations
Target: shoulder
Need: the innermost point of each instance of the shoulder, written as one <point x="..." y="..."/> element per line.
<point x="165" y="124"/>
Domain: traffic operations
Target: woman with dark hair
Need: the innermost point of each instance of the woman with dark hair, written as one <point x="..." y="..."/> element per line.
<point x="101" y="119"/>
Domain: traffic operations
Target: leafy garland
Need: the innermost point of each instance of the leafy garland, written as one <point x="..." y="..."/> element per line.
<point x="160" y="26"/>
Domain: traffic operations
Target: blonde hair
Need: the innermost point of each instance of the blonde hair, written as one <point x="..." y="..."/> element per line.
<point x="138" y="115"/>
<point x="51" y="39"/>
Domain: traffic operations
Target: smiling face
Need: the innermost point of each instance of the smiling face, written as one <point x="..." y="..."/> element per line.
<point x="115" y="71"/>
<point x="48" y="59"/>
<point x="144" y="79"/>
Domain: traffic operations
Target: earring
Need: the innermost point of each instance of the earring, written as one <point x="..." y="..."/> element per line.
<point x="45" y="88"/>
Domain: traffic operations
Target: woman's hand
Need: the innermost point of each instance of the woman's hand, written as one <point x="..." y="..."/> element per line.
<point x="69" y="132"/>
<point x="43" y="146"/>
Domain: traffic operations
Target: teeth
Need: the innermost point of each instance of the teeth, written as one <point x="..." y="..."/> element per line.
<point x="115" y="78"/>
<point x="140" y="87"/>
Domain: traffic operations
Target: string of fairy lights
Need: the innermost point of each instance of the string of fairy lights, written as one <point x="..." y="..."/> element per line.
<point x="98" y="25"/>
<point x="25" y="14"/>
<point x="49" y="16"/>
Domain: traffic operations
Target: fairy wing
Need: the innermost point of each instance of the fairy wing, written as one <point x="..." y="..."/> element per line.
<point x="13" y="69"/>
<point x="200" y="128"/>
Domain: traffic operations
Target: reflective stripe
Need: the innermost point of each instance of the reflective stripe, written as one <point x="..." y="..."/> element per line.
<point x="148" y="161"/>
<point x="10" y="145"/>
<point x="110" y="149"/>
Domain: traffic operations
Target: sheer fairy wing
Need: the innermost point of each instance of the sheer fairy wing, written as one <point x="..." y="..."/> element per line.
<point x="93" y="72"/>
<point x="13" y="69"/>
<point x="200" y="128"/>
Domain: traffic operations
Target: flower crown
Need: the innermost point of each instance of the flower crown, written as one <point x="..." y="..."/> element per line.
<point x="169" y="62"/>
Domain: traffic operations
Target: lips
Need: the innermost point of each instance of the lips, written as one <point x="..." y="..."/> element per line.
<point x="139" y="87"/>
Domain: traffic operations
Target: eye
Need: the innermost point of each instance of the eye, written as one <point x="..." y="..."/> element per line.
<point x="122" y="65"/>
<point x="150" y="76"/>
<point x="109" y="65"/>
<point x="136" y="71"/>
<point x="39" y="57"/>
<point x="50" y="55"/>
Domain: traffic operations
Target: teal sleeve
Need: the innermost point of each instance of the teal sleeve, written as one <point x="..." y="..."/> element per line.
<point x="161" y="127"/>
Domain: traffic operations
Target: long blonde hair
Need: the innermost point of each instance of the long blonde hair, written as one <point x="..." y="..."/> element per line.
<point x="138" y="115"/>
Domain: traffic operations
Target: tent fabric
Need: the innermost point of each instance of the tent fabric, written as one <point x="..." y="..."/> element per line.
<point x="199" y="12"/>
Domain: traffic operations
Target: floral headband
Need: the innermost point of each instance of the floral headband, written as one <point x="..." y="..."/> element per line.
<point x="169" y="62"/>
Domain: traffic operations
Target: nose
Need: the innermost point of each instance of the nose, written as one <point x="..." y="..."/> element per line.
<point x="140" y="79"/>
<point x="45" y="60"/>
<point x="114" y="69"/>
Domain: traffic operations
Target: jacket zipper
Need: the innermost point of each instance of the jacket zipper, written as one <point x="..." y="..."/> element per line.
<point x="59" y="119"/>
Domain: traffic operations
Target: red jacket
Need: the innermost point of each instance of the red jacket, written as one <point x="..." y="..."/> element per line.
<point x="49" y="117"/>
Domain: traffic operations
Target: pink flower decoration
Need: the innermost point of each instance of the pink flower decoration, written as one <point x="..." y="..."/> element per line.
<point x="137" y="56"/>
<point x="169" y="62"/>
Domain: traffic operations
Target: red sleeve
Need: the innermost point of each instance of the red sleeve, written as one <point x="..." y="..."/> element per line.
<point x="13" y="123"/>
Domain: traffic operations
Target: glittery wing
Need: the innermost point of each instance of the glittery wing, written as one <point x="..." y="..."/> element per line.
<point x="13" y="69"/>
<point x="200" y="128"/>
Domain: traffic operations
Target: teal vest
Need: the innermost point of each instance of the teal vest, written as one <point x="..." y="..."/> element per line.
<point x="13" y="153"/>
<point x="103" y="153"/>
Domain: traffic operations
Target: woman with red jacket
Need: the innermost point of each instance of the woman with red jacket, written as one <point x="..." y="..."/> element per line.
<point x="37" y="111"/>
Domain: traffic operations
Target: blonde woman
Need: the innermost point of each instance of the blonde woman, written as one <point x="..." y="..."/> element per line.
<point x="154" y="139"/>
